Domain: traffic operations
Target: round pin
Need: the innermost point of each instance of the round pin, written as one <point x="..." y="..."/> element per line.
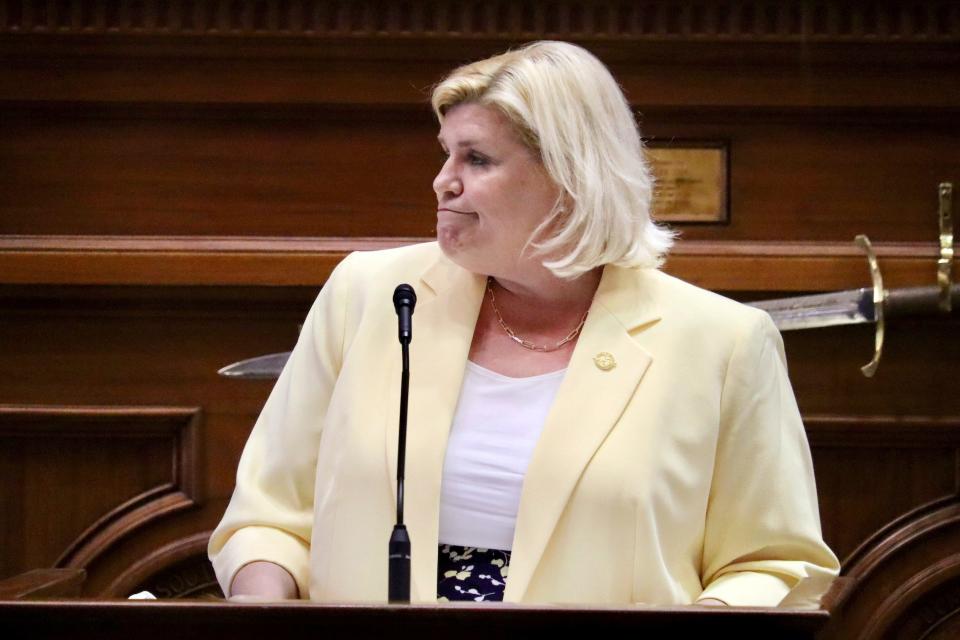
<point x="604" y="361"/>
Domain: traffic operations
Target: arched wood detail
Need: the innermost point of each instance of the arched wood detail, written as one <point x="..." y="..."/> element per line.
<point x="905" y="581"/>
<point x="179" y="569"/>
<point x="900" y="535"/>
<point x="133" y="514"/>
<point x="929" y="603"/>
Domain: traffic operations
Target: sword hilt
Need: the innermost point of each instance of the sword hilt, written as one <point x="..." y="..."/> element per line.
<point x="919" y="301"/>
<point x="879" y="301"/>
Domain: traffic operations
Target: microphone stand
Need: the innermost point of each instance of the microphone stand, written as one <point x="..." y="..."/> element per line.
<point x="398" y="568"/>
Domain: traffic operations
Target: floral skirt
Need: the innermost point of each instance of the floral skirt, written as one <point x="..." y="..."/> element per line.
<point x="471" y="574"/>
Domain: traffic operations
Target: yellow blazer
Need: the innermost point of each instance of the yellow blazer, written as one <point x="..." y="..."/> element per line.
<point x="682" y="472"/>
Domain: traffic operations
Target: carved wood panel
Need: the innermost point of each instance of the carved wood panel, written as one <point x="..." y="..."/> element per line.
<point x="78" y="479"/>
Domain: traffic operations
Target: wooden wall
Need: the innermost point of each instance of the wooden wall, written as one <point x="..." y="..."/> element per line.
<point x="178" y="178"/>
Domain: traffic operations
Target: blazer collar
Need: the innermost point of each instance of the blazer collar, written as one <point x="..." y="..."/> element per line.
<point x="444" y="322"/>
<point x="630" y="295"/>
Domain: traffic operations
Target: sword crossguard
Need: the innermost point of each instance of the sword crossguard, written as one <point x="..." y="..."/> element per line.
<point x="945" y="263"/>
<point x="879" y="299"/>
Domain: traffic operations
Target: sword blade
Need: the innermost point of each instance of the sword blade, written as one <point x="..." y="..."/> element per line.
<point x="854" y="306"/>
<point x="266" y="367"/>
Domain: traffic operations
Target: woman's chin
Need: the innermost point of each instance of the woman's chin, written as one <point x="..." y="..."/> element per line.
<point x="448" y="238"/>
<point x="452" y="236"/>
<point x="460" y="252"/>
<point x="451" y="244"/>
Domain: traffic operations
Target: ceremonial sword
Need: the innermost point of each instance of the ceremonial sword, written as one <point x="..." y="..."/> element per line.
<point x="854" y="306"/>
<point x="867" y="305"/>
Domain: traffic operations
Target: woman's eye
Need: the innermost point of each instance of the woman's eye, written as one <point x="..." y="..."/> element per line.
<point x="477" y="160"/>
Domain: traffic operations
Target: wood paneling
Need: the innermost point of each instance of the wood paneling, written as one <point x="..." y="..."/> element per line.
<point x="139" y="347"/>
<point x="911" y="461"/>
<point x="239" y="176"/>
<point x="368" y="172"/>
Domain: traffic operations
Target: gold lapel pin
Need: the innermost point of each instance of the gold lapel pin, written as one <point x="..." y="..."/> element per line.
<point x="604" y="361"/>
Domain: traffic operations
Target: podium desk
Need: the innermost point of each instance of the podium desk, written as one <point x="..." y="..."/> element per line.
<point x="206" y="620"/>
<point x="43" y="604"/>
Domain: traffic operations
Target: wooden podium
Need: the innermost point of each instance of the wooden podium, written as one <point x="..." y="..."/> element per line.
<point x="205" y="620"/>
<point x="26" y="611"/>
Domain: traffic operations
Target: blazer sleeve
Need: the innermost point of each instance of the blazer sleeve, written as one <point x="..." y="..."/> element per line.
<point x="762" y="542"/>
<point x="270" y="516"/>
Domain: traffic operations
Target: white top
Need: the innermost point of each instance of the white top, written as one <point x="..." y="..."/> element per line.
<point x="495" y="429"/>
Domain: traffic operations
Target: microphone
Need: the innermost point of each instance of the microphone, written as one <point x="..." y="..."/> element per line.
<point x="404" y="300"/>
<point x="398" y="549"/>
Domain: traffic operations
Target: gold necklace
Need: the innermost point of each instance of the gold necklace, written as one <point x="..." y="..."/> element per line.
<point x="526" y="344"/>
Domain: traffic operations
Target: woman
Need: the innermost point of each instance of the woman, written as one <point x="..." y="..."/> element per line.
<point x="582" y="427"/>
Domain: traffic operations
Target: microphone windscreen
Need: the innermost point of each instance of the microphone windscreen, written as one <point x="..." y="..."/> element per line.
<point x="404" y="296"/>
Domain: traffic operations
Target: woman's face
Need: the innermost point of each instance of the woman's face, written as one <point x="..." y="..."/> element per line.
<point x="492" y="192"/>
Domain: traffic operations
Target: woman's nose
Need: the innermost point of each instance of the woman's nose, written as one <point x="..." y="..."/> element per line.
<point x="447" y="182"/>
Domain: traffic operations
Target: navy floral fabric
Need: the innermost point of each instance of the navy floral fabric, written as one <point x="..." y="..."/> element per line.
<point x="471" y="573"/>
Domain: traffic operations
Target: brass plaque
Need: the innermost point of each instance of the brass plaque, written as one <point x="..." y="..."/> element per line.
<point x="691" y="181"/>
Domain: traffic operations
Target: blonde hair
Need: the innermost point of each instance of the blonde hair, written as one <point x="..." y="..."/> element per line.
<point x="568" y="109"/>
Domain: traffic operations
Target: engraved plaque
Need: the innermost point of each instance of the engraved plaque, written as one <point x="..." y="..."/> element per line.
<point x="691" y="181"/>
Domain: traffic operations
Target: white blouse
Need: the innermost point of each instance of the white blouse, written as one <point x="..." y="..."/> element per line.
<point x="495" y="429"/>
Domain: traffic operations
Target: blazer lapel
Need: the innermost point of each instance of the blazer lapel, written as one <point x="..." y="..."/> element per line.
<point x="589" y="403"/>
<point x="443" y="324"/>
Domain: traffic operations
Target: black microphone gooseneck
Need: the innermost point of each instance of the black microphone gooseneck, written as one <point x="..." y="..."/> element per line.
<point x="398" y="569"/>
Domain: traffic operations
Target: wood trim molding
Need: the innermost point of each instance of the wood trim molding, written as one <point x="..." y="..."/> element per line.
<point x="866" y="432"/>
<point x="43" y="583"/>
<point x="719" y="20"/>
<point x="180" y="424"/>
<point x="415" y="107"/>
<point x="248" y="261"/>
<point x="900" y="536"/>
